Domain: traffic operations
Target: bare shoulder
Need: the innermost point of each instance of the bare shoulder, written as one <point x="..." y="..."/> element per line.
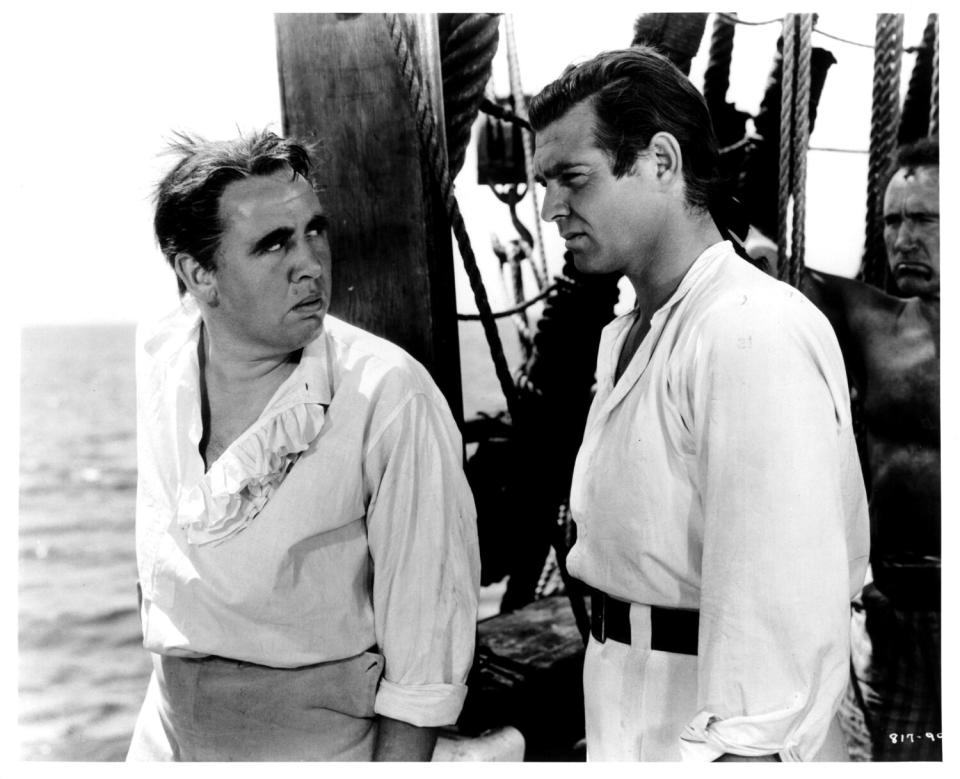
<point x="858" y="304"/>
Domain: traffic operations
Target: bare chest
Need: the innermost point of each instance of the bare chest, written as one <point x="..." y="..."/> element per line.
<point x="901" y="395"/>
<point x="228" y="413"/>
<point x="638" y="330"/>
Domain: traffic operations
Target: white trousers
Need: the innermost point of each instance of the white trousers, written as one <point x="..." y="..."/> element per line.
<point x="638" y="701"/>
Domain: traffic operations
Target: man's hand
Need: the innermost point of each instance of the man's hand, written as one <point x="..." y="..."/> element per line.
<point x="403" y="742"/>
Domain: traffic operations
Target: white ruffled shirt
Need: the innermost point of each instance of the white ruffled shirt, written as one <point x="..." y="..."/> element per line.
<point x="341" y="519"/>
<point x="720" y="473"/>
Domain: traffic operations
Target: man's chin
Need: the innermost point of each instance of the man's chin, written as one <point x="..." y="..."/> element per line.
<point x="916" y="284"/>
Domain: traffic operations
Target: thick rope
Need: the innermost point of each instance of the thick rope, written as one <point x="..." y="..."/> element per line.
<point x="468" y="43"/>
<point x="716" y="77"/>
<point x="916" y="110"/>
<point x="520" y="109"/>
<point x="436" y="158"/>
<point x="676" y="35"/>
<point x="786" y="132"/>
<point x="801" y="140"/>
<point x="884" y="122"/>
<point x="935" y="83"/>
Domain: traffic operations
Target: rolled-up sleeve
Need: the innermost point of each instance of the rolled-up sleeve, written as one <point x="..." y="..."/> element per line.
<point x="774" y="619"/>
<point x="421" y="527"/>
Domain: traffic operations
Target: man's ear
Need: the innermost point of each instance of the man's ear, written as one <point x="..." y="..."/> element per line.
<point x="669" y="160"/>
<point x="200" y="282"/>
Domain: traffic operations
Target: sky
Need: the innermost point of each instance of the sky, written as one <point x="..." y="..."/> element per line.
<point x="97" y="89"/>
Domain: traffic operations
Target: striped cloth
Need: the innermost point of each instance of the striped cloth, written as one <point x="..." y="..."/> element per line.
<point x="896" y="663"/>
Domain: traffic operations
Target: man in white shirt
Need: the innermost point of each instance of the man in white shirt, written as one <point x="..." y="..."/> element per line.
<point x="720" y="509"/>
<point x="306" y="539"/>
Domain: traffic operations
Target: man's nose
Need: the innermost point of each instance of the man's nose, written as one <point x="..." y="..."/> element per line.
<point x="310" y="258"/>
<point x="554" y="206"/>
<point x="906" y="235"/>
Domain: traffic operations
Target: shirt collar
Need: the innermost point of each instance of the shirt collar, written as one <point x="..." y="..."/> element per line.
<point x="311" y="381"/>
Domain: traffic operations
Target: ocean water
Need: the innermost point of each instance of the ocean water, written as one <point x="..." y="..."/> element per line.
<point x="82" y="670"/>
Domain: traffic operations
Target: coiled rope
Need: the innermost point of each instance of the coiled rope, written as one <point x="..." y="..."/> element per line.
<point x="435" y="156"/>
<point x="884" y="122"/>
<point x="468" y="43"/>
<point x="520" y="109"/>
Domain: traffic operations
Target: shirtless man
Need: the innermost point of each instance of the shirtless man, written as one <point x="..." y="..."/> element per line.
<point x="891" y="346"/>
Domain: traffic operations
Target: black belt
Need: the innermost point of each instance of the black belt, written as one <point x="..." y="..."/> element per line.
<point x="671" y="630"/>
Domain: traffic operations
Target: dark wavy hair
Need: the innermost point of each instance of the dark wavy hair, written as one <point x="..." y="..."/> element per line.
<point x="187" y="215"/>
<point x="636" y="93"/>
<point x="924" y="153"/>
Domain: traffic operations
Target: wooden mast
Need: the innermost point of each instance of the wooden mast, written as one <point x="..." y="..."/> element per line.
<point x="392" y="253"/>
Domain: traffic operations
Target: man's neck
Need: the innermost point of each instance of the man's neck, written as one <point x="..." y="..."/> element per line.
<point x="235" y="369"/>
<point x="679" y="247"/>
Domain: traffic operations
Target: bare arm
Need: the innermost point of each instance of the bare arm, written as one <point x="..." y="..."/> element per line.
<point x="827" y="293"/>
<point x="402" y="742"/>
<point x="839" y="300"/>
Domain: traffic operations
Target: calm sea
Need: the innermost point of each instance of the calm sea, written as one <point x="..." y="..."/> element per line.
<point x="82" y="670"/>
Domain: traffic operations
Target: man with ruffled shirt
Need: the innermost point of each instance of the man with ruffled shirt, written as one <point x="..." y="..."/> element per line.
<point x="306" y="539"/>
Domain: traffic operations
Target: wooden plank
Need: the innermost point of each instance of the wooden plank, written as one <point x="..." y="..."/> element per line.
<point x="393" y="258"/>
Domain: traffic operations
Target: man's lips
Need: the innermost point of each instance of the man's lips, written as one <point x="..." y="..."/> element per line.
<point x="572" y="237"/>
<point x="913" y="269"/>
<point x="312" y="303"/>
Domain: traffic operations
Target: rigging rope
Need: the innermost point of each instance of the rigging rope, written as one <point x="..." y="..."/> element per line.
<point x="515" y="310"/>
<point x="520" y="109"/>
<point x="917" y="106"/>
<point x="795" y="121"/>
<point x="801" y="140"/>
<point x="523" y="306"/>
<point x="734" y="19"/>
<point x="716" y="77"/>
<point x="884" y="122"/>
<point x="436" y="158"/>
<point x="935" y="84"/>
<point x="786" y="131"/>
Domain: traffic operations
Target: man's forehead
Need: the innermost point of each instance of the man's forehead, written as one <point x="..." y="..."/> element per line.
<point x="274" y="195"/>
<point x="918" y="174"/>
<point x="914" y="183"/>
<point x="570" y="135"/>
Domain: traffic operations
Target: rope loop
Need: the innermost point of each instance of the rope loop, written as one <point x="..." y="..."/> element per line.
<point x="468" y="43"/>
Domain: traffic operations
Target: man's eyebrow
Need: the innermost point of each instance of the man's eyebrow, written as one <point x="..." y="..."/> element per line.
<point x="555" y="170"/>
<point x="319" y="222"/>
<point x="279" y="236"/>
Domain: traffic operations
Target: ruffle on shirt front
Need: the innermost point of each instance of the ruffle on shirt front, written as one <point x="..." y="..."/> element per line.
<point x="241" y="481"/>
